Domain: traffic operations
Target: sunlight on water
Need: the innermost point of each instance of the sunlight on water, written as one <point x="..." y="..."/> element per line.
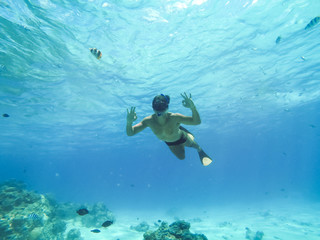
<point x="225" y="53"/>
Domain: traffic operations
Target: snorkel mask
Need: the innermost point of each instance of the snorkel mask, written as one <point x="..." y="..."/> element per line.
<point x="160" y="104"/>
<point x="159" y="114"/>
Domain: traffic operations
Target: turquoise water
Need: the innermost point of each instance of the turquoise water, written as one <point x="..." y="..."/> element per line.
<point x="259" y="100"/>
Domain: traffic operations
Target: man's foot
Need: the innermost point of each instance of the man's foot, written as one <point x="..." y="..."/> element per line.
<point x="204" y="158"/>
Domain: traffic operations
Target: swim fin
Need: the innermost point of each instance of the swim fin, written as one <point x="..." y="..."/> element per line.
<point x="204" y="158"/>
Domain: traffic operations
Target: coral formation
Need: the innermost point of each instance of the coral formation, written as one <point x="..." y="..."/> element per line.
<point x="141" y="227"/>
<point x="176" y="230"/>
<point x="27" y="215"/>
<point x="254" y="236"/>
<point x="74" y="234"/>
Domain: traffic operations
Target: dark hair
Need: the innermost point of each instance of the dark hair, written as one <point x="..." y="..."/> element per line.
<point x="160" y="103"/>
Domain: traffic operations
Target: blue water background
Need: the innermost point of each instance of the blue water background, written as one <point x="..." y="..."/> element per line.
<point x="259" y="101"/>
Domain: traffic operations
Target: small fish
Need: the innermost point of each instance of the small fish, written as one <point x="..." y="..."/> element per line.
<point x="312" y="23"/>
<point x="5" y="115"/>
<point x="107" y="223"/>
<point x="33" y="216"/>
<point x="278" y="40"/>
<point x="95" y="231"/>
<point x="82" y="211"/>
<point x="97" y="53"/>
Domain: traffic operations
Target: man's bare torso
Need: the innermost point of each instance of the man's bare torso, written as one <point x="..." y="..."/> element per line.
<point x="166" y="130"/>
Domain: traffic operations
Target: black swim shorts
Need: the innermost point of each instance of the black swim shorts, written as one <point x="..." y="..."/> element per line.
<point x="183" y="138"/>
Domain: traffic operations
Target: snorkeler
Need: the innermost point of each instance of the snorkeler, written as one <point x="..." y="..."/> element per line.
<point x="166" y="126"/>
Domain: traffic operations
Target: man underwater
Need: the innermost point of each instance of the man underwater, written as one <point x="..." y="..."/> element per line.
<point x="166" y="126"/>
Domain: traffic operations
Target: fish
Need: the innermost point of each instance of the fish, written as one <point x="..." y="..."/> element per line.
<point x="82" y="211"/>
<point x="33" y="216"/>
<point x="95" y="231"/>
<point x="5" y="115"/>
<point x="107" y="223"/>
<point x="312" y="23"/>
<point x="97" y="53"/>
<point x="278" y="40"/>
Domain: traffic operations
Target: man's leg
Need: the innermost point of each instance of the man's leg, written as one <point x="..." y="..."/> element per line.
<point x="205" y="159"/>
<point x="178" y="151"/>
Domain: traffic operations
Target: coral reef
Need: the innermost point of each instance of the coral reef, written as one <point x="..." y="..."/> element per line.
<point x="254" y="236"/>
<point x="141" y="227"/>
<point x="74" y="234"/>
<point x="176" y="230"/>
<point x="28" y="215"/>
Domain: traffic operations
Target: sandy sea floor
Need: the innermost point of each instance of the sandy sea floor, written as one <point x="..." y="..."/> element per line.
<point x="277" y="220"/>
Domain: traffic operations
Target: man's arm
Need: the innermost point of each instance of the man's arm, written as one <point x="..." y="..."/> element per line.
<point x="188" y="103"/>
<point x="132" y="130"/>
<point x="194" y="120"/>
<point x="195" y="116"/>
<point x="131" y="117"/>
